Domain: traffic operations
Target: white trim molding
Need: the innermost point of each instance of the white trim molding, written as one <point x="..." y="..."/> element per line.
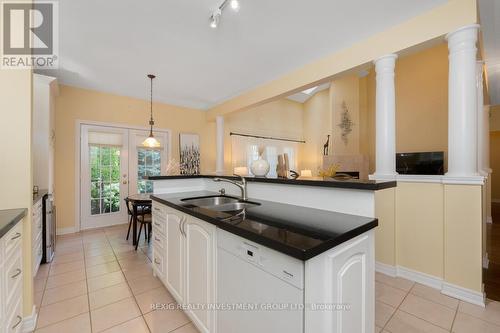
<point x="463" y="294"/>
<point x="29" y="322"/>
<point x="439" y="179"/>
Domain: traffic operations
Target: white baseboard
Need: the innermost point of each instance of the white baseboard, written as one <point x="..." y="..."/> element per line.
<point x="64" y="231"/>
<point x="422" y="278"/>
<point x="463" y="294"/>
<point x="385" y="269"/>
<point x="29" y="322"/>
<point x="489" y="219"/>
<point x="435" y="282"/>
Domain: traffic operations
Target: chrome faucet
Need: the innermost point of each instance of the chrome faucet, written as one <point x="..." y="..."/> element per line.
<point x="242" y="184"/>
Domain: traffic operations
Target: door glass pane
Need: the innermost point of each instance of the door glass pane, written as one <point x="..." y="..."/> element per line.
<point x="148" y="164"/>
<point x="105" y="179"/>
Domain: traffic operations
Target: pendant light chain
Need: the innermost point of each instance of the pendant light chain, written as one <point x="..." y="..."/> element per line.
<point x="151" y="121"/>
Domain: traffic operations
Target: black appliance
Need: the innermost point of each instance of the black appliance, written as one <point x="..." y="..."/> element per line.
<point x="422" y="163"/>
<point x="49" y="229"/>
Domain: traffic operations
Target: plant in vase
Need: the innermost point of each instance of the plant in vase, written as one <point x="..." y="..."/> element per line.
<point x="329" y="172"/>
<point x="260" y="167"/>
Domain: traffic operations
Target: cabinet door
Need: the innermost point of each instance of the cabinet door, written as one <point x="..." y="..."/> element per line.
<point x="175" y="257"/>
<point x="200" y="271"/>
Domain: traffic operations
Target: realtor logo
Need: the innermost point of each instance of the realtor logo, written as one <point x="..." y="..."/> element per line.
<point x="29" y="34"/>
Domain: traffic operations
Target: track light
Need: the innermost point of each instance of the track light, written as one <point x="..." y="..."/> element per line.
<point x="235" y="5"/>
<point x="216" y="15"/>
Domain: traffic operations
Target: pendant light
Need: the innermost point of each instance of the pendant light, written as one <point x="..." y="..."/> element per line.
<point x="151" y="141"/>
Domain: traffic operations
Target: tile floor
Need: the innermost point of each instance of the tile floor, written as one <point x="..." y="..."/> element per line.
<point x="98" y="283"/>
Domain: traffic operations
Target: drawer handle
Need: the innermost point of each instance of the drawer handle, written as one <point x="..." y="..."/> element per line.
<point x="157" y="209"/>
<point x="18" y="234"/>
<point x="19" y="320"/>
<point x="18" y="272"/>
<point x="156" y="261"/>
<point x="157" y="224"/>
<point x="157" y="239"/>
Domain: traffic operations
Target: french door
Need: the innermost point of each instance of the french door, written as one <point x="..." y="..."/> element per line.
<point x="112" y="166"/>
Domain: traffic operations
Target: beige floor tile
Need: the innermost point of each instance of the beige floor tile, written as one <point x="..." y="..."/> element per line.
<point x="56" y="269"/>
<point x="43" y="271"/>
<point x="64" y="292"/>
<point x="109" y="295"/>
<point x="378" y="329"/>
<point x="465" y="323"/>
<point x="66" y="278"/>
<point x="39" y="284"/>
<point x="65" y="258"/>
<point x="434" y="295"/>
<point x="97" y="245"/>
<point x="69" y="250"/>
<point x="490" y="313"/>
<point x="434" y="313"/>
<point x="131" y="263"/>
<point x="144" y="284"/>
<point x="134" y="272"/>
<point x="189" y="328"/>
<point x="114" y="314"/>
<point x="78" y="324"/>
<point x="163" y="321"/>
<point x="123" y="248"/>
<point x="57" y="312"/>
<point x="402" y="322"/>
<point x="130" y="255"/>
<point x="106" y="280"/>
<point x="389" y="295"/>
<point x="396" y="282"/>
<point x="101" y="251"/>
<point x="154" y="296"/>
<point x="37" y="299"/>
<point x="382" y="313"/>
<point x="92" y="261"/>
<point x="137" y="325"/>
<point x="102" y="269"/>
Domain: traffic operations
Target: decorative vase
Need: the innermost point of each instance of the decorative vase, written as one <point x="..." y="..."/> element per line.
<point x="260" y="167"/>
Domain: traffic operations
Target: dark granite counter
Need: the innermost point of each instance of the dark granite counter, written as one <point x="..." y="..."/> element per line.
<point x="299" y="232"/>
<point x="9" y="218"/>
<point x="357" y="184"/>
<point x="39" y="195"/>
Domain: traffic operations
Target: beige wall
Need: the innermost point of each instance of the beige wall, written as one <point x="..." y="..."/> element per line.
<point x="74" y="104"/>
<point x="281" y="118"/>
<point x="317" y="125"/>
<point x="495" y="165"/>
<point x="16" y="164"/>
<point x="495" y="118"/>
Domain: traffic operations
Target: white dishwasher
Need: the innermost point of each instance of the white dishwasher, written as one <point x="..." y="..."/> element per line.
<point x="259" y="290"/>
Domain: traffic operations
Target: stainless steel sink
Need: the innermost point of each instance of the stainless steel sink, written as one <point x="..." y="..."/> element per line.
<point x="220" y="203"/>
<point x="209" y="201"/>
<point x="234" y="206"/>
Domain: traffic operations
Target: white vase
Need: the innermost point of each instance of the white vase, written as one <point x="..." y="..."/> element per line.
<point x="260" y="167"/>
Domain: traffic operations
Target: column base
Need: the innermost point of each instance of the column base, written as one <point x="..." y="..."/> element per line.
<point x="383" y="176"/>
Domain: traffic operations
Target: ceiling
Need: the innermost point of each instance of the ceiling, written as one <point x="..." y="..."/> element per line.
<point x="111" y="45"/>
<point x="489" y="13"/>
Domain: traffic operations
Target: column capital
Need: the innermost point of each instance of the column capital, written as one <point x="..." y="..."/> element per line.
<point x="463" y="38"/>
<point x="386" y="59"/>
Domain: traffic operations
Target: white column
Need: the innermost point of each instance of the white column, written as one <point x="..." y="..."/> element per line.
<point x="385" y="114"/>
<point x="481" y="125"/>
<point x="462" y="103"/>
<point x="219" y="162"/>
<point x="486" y="138"/>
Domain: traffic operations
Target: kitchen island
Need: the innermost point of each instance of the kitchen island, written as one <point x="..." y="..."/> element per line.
<point x="303" y="252"/>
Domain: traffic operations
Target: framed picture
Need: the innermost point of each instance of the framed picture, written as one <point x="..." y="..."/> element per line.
<point x="189" y="148"/>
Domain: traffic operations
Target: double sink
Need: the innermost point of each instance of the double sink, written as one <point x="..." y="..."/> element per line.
<point x="220" y="203"/>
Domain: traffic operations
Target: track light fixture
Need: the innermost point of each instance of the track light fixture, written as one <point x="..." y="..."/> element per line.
<point x="216" y="14"/>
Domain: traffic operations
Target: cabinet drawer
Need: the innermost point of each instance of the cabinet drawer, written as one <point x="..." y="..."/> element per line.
<point x="159" y="240"/>
<point x="14" y="318"/>
<point x="13" y="277"/>
<point x="13" y="240"/>
<point x="159" y="263"/>
<point x="159" y="224"/>
<point x="159" y="210"/>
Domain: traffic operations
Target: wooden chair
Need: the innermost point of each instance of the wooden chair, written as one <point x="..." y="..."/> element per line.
<point x="145" y="219"/>
<point x="140" y="210"/>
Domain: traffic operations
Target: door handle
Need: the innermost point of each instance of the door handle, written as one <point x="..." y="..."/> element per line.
<point x="18" y="272"/>
<point x="19" y="320"/>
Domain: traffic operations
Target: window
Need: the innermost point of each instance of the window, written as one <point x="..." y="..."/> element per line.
<point x="105" y="179"/>
<point x="148" y="164"/>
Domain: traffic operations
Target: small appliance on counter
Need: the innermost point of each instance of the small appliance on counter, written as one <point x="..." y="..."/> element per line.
<point x="49" y="228"/>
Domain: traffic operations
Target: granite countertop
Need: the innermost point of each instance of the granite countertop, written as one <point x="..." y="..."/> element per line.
<point x="9" y="218"/>
<point x="358" y="184"/>
<point x="39" y="195"/>
<point x="297" y="231"/>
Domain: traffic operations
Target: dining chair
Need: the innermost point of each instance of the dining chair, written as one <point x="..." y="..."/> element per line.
<point x="145" y="219"/>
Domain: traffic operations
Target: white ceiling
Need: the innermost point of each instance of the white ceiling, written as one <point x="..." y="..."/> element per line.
<point x="111" y="45"/>
<point x="489" y="12"/>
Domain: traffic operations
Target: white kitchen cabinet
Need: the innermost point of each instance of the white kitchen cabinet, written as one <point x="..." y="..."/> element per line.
<point x="11" y="280"/>
<point x="36" y="234"/>
<point x="200" y="270"/>
<point x="184" y="259"/>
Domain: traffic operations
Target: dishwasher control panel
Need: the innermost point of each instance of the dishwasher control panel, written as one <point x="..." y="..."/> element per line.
<point x="278" y="264"/>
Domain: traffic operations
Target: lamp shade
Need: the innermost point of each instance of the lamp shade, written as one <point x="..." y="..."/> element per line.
<point x="151" y="142"/>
